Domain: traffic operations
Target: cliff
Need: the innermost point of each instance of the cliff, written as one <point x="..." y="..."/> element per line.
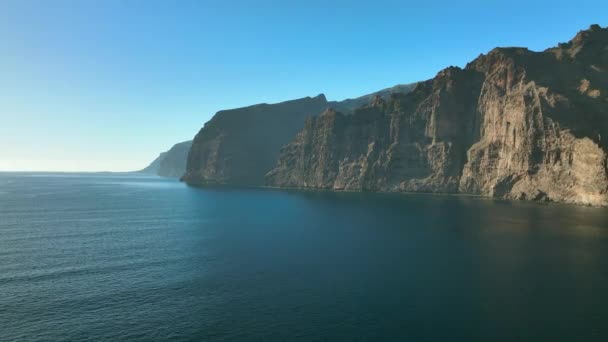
<point x="153" y="167"/>
<point x="239" y="146"/>
<point x="512" y="124"/>
<point x="171" y="163"/>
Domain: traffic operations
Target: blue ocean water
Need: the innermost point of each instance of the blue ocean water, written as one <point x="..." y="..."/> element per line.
<point x="111" y="257"/>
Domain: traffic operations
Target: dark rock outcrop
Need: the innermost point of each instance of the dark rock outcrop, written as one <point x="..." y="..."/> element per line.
<point x="171" y="163"/>
<point x="239" y="146"/>
<point x="511" y="124"/>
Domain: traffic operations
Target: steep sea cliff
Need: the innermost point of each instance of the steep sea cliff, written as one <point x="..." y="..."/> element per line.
<point x="512" y="124"/>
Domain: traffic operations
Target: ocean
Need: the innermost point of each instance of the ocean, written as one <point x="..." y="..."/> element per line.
<point x="127" y="257"/>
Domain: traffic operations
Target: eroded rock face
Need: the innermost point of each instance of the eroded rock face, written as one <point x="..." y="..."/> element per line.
<point x="413" y="142"/>
<point x="512" y="124"/>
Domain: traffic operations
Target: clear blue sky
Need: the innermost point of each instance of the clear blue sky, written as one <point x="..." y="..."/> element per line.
<point x="107" y="85"/>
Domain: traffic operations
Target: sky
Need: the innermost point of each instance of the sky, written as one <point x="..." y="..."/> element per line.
<point x="107" y="85"/>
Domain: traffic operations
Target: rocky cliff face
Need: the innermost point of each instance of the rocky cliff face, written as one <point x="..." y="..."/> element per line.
<point x="239" y="146"/>
<point x="171" y="163"/>
<point x="511" y="124"/>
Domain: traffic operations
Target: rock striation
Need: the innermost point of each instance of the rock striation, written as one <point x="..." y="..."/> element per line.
<point x="512" y="124"/>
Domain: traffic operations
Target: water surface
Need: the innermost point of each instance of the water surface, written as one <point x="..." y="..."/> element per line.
<point x="106" y="257"/>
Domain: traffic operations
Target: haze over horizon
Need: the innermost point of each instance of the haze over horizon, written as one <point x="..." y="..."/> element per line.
<point x="108" y="86"/>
